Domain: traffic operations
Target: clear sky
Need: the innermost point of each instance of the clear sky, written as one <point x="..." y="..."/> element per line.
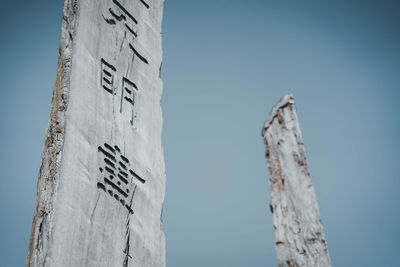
<point x="226" y="63"/>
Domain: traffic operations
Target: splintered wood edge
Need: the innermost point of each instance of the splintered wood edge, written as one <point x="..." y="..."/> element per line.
<point x="285" y="101"/>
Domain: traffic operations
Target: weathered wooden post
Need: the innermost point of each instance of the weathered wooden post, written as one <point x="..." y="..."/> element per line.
<point x="299" y="236"/>
<point x="102" y="179"/>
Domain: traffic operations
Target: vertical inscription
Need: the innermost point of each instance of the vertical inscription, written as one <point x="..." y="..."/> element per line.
<point x="128" y="89"/>
<point x="117" y="13"/>
<point x="107" y="76"/>
<point x="122" y="16"/>
<point x="137" y="54"/>
<point x="130" y="22"/>
<point x="116" y="176"/>
<point x="128" y="95"/>
<point x="127" y="256"/>
<point x="145" y="4"/>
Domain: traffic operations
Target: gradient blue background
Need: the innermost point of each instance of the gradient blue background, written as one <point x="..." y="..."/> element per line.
<point x="226" y="63"/>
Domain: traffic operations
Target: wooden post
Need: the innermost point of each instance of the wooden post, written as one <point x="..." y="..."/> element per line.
<point x="298" y="230"/>
<point x="102" y="180"/>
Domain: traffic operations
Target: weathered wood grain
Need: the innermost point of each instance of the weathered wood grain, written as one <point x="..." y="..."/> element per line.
<point x="298" y="230"/>
<point x="102" y="180"/>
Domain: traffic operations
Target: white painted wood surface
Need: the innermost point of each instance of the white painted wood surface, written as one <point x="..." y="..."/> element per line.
<point x="298" y="230"/>
<point x="102" y="179"/>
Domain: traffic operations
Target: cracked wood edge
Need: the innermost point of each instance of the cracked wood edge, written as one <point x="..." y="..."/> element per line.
<point x="52" y="150"/>
<point x="298" y="230"/>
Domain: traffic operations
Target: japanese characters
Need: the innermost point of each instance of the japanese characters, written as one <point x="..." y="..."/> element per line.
<point x="116" y="176"/>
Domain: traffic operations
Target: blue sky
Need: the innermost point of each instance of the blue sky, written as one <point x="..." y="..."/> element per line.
<point x="226" y="63"/>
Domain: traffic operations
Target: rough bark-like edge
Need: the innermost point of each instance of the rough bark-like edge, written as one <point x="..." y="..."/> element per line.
<point x="53" y="145"/>
<point x="285" y="100"/>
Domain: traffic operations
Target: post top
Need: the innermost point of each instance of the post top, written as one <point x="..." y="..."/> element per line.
<point x="285" y="100"/>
